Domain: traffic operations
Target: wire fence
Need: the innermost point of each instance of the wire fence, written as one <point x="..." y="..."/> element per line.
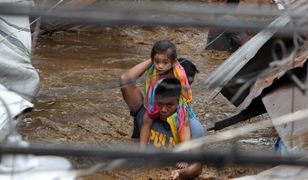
<point x="194" y="15"/>
<point x="171" y="14"/>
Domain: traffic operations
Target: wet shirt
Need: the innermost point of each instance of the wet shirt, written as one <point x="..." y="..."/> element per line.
<point x="160" y="133"/>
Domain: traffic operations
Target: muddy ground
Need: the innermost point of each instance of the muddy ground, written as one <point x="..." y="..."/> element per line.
<point x="80" y="101"/>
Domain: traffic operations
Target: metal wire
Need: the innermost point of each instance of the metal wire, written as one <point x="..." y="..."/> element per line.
<point x="236" y="132"/>
<point x="116" y="85"/>
<point x="37" y="19"/>
<point x="215" y="157"/>
<point x="125" y="14"/>
<point x="275" y="65"/>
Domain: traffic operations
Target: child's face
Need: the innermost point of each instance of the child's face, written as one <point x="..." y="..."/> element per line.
<point x="162" y="63"/>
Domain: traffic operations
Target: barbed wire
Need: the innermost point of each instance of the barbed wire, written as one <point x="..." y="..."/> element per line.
<point x="38" y="24"/>
<point x="177" y="158"/>
<point x="150" y="14"/>
<point x="275" y="65"/>
<point x="48" y="10"/>
<point x="246" y="80"/>
<point x="115" y="84"/>
<point x="163" y="158"/>
<point x="236" y="132"/>
<point x="215" y="156"/>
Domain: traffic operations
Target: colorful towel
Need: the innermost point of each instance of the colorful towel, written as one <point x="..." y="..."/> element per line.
<point x="176" y="121"/>
<point x="177" y="129"/>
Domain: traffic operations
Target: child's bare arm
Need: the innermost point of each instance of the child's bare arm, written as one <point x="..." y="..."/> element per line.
<point x="145" y="130"/>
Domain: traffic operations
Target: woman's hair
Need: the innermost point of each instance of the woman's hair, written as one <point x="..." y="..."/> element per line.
<point x="164" y="46"/>
<point x="233" y="1"/>
<point x="169" y="88"/>
<point x="190" y="69"/>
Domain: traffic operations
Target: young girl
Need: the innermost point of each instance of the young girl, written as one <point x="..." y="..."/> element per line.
<point x="164" y="64"/>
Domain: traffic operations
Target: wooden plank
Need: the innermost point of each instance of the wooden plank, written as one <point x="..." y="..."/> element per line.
<point x="282" y="101"/>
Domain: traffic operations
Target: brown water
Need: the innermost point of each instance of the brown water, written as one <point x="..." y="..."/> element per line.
<point x="80" y="100"/>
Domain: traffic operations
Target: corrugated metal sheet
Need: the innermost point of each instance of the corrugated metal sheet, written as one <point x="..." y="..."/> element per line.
<point x="266" y="81"/>
<point x="229" y="78"/>
<point x="252" y="57"/>
<point x="232" y="66"/>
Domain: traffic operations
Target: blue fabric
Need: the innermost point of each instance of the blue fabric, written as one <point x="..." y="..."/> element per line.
<point x="160" y="135"/>
<point x="280" y="147"/>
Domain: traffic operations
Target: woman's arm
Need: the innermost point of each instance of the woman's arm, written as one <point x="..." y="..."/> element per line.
<point x="136" y="71"/>
<point x="130" y="92"/>
<point x="191" y="172"/>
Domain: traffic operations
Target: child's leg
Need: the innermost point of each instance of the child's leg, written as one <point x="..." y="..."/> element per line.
<point x="145" y="130"/>
<point x="187" y="133"/>
<point x="182" y="165"/>
<point x="187" y="137"/>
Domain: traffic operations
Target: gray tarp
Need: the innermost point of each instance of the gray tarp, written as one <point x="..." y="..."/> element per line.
<point x="15" y="104"/>
<point x="16" y="71"/>
<point x="19" y="81"/>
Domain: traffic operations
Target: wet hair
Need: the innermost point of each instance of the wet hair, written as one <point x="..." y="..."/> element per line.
<point x="169" y="88"/>
<point x="190" y="69"/>
<point x="233" y="1"/>
<point x="164" y="46"/>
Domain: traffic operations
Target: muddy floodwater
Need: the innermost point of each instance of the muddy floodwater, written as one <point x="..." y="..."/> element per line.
<point x="80" y="101"/>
